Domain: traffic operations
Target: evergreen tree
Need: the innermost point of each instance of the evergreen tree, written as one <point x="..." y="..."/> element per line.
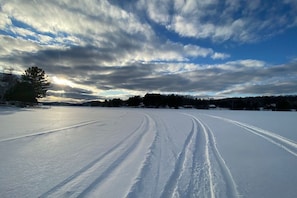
<point x="33" y="85"/>
<point x="35" y="76"/>
<point x="22" y="92"/>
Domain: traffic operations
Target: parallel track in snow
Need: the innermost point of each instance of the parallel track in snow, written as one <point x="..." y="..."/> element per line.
<point x="155" y="179"/>
<point x="128" y="164"/>
<point x="78" y="125"/>
<point x="198" y="170"/>
<point x="286" y="144"/>
<point x="148" y="169"/>
<point x="211" y="176"/>
<point x="183" y="164"/>
<point x="89" y="178"/>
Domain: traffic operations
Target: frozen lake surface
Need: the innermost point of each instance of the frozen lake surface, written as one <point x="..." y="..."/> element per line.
<point x="106" y="152"/>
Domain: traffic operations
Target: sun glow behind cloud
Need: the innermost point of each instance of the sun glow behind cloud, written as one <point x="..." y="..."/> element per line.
<point x="62" y="81"/>
<point x="66" y="90"/>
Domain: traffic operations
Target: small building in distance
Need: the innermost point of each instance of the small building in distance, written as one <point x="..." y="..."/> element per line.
<point x="212" y="106"/>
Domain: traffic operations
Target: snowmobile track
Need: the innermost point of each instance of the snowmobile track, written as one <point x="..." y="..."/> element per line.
<point x="116" y="155"/>
<point x="210" y="167"/>
<point x="81" y="124"/>
<point x="284" y="143"/>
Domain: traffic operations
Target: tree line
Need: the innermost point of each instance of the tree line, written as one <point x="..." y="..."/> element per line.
<point x="155" y="100"/>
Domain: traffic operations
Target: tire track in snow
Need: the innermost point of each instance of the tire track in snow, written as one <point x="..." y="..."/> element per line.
<point x="130" y="160"/>
<point x="149" y="182"/>
<point x="171" y="188"/>
<point x="81" y="124"/>
<point x="219" y="177"/>
<point x="207" y="156"/>
<point x="85" y="180"/>
<point x="140" y="183"/>
<point x="201" y="184"/>
<point x="184" y="182"/>
<point x="286" y="144"/>
<point x="231" y="189"/>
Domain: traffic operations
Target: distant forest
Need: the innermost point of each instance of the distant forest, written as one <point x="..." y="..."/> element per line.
<point x="153" y="100"/>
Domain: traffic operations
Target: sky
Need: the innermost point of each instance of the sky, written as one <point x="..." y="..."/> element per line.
<point x="96" y="49"/>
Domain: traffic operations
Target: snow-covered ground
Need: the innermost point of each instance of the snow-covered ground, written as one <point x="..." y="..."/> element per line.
<point x="104" y="152"/>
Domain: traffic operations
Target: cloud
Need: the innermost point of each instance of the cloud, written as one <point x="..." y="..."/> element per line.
<point x="240" y="21"/>
<point x="273" y="88"/>
<point x="217" y="78"/>
<point x="77" y="22"/>
<point x="229" y="78"/>
<point x="73" y="94"/>
<point x="158" y="11"/>
<point x="217" y="55"/>
<point x="98" y="31"/>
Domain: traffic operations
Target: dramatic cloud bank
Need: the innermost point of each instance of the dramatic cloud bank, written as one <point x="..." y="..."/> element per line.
<point x="99" y="49"/>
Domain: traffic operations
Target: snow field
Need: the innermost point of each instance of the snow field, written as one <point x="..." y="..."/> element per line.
<point x="102" y="152"/>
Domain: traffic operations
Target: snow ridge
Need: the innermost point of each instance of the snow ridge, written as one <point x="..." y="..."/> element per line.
<point x="288" y="145"/>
